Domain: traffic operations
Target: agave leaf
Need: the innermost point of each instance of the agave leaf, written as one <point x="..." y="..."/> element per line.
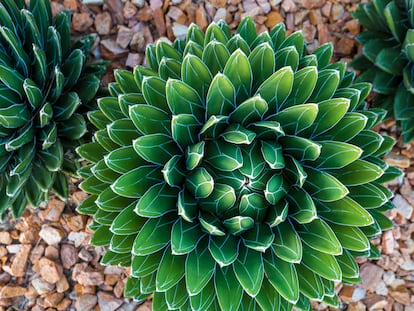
<point x="220" y="200"/>
<point x="155" y="148"/>
<point x="170" y="68"/>
<point x="302" y="149"/>
<point x="249" y="271"/>
<point x="238" y="224"/>
<point x="154" y="235"/>
<point x="196" y="74"/>
<point x="304" y="82"/>
<point x="126" y="81"/>
<point x="369" y="141"/>
<point x="121" y="160"/>
<point x="323" y="264"/>
<point x="214" y="33"/>
<point x="221" y="98"/>
<point x="283" y="277"/>
<point x="14" y="116"/>
<point x="237" y="134"/>
<point x="348" y="127"/>
<point x="358" y="172"/>
<point x="324" y="186"/>
<point x="185" y="237"/>
<point x="267" y="298"/>
<point x="237" y="42"/>
<point x="199" y="269"/>
<point x="148" y="285"/>
<point x="302" y="206"/>
<point x="259" y="238"/>
<point x="228" y="290"/>
<point x="287" y="57"/>
<point x="174" y="171"/>
<point x="287" y="244"/>
<point x="368" y="195"/>
<point x="296" y="118"/>
<point x="170" y="270"/>
<point x="166" y="50"/>
<point x="183" y="99"/>
<point x="344" y="211"/>
<point x="318" y="235"/>
<point x="211" y="224"/>
<point x="185" y="129"/>
<point x="348" y="265"/>
<point x="121" y="243"/>
<point x="153" y="89"/>
<point x="200" y="183"/>
<point x="393" y="19"/>
<point x="262" y="63"/>
<point x="73" y="128"/>
<point x="22" y="61"/>
<point x="336" y="154"/>
<point x="224" y="156"/>
<point x="215" y="56"/>
<point x="72" y="68"/>
<point x="176" y="296"/>
<point x="275" y="189"/>
<point x="224" y="249"/>
<point x="187" y="206"/>
<point x="272" y="153"/>
<point x="324" y="54"/>
<point x="103" y="172"/>
<point x="127" y="222"/>
<point x="142" y="266"/>
<point x="204" y="299"/>
<point x="157" y="201"/>
<point x="249" y="111"/>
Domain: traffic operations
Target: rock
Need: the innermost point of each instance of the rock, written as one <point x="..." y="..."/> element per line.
<point x="42" y="286"/>
<point x="180" y="31"/>
<point x="358" y="294"/>
<point x="18" y="266"/>
<point x="64" y="305"/>
<point x="14" y="248"/>
<point x="11" y="291"/>
<point x="356" y="306"/>
<point x="381" y="288"/>
<point x="311" y="4"/>
<point x="129" y="10"/>
<point x="370" y="275"/>
<point x="124" y="36"/>
<point x="345" y="46"/>
<point x="407" y="191"/>
<point x="119" y="288"/>
<point x="353" y="26"/>
<point x="388" y="277"/>
<point x="93" y="2"/>
<point x="111" y="51"/>
<point x="108" y="302"/>
<point x="289" y="6"/>
<point x="387" y="242"/>
<point x="133" y="60"/>
<point x="81" y="22"/>
<point x="408" y="265"/>
<point x="52" y="252"/>
<point x="54" y="210"/>
<point x="62" y="285"/>
<point x="324" y="35"/>
<point x="315" y="17"/>
<point x="138" y="3"/>
<point x="300" y="16"/>
<point x="177" y="15"/>
<point x="56" y="8"/>
<point x="4" y="278"/>
<point x="37" y="253"/>
<point x="375" y="302"/>
<point x="5" y="238"/>
<point x="159" y="21"/>
<point x="68" y="255"/>
<point x="402" y="206"/>
<point x="346" y="293"/>
<point x="103" y="23"/>
<point x="90" y="278"/>
<point x="51" y="235"/>
<point x="50" y="271"/>
<point x="78" y="238"/>
<point x="337" y="11"/>
<point x="70" y="4"/>
<point x="273" y="18"/>
<point x="86" y="302"/>
<point x="201" y="18"/>
<point x="53" y="299"/>
<point x="398" y="160"/>
<point x="309" y="32"/>
<point x="85" y="255"/>
<point x="221" y="14"/>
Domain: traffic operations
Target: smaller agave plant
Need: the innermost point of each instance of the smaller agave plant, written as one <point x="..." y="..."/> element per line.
<point x="236" y="173"/>
<point x="387" y="58"/>
<point x="44" y="85"/>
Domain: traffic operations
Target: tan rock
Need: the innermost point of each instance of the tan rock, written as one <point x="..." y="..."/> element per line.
<point x="273" y="18"/>
<point x="375" y="302"/>
<point x="37" y="253"/>
<point x="53" y="299"/>
<point x="401" y="295"/>
<point x="129" y="10"/>
<point x="119" y="288"/>
<point x="18" y="265"/>
<point x="52" y="252"/>
<point x="62" y="285"/>
<point x="177" y="15"/>
<point x="124" y="36"/>
<point x="345" y="46"/>
<point x="108" y="302"/>
<point x="388" y="242"/>
<point x="11" y="291"/>
<point x="111" y="50"/>
<point x="51" y="235"/>
<point x="81" y="22"/>
<point x="29" y="236"/>
<point x="337" y="11"/>
<point x="398" y="160"/>
<point x="324" y="34"/>
<point x="370" y="275"/>
<point x="5" y="238"/>
<point x="68" y="255"/>
<point x="64" y="304"/>
<point x="289" y="6"/>
<point x="309" y="32"/>
<point x="56" y="8"/>
<point x="103" y="24"/>
<point x="42" y="286"/>
<point x="201" y="18"/>
<point x="356" y="306"/>
<point x="85" y="302"/>
<point x="90" y="278"/>
<point x="70" y="4"/>
<point x="159" y="20"/>
<point x="346" y="293"/>
<point x="54" y="210"/>
<point x="4" y="278"/>
<point x="133" y="60"/>
<point x="353" y="26"/>
<point x="402" y="206"/>
<point x="50" y="271"/>
<point x="315" y="17"/>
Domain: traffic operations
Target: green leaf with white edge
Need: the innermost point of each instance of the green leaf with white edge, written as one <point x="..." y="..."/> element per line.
<point x="369" y="141"/>
<point x="185" y="237"/>
<point x="109" y="201"/>
<point x="350" y="237"/>
<point x="145" y="265"/>
<point x="154" y="235"/>
<point x="211" y="224"/>
<point x="194" y="154"/>
<point x="237" y="134"/>
<point x="199" y="268"/>
<point x="165" y="50"/>
<point x="282" y="275"/>
<point x="272" y="153"/>
<point x="176" y="296"/>
<point x="323" y="264"/>
<point x="277" y="213"/>
<point x="156" y="148"/>
<point x="344" y="212"/>
<point x="326" y="85"/>
<point x="136" y="182"/>
<point x="369" y="195"/>
<point x="301" y="206"/>
<point x="276" y="189"/>
<point x="187" y="206"/>
<point x="252" y="205"/>
<point x="154" y="91"/>
<point x="224" y="249"/>
<point x="223" y="156"/>
<point x="304" y="82"/>
<point x="147" y="286"/>
<point x="193" y="48"/>
<point x="267" y="129"/>
<point x="247" y="30"/>
<point x="248" y="269"/>
<point x="122" y="160"/>
<point x="196" y="74"/>
<point x="214" y="126"/>
<point x="324" y="54"/>
<point x="267" y="298"/>
<point x="276" y="89"/>
<point x="174" y="171"/>
<point x="239" y="72"/>
<point x="262" y="63"/>
<point x="127" y="222"/>
<point x="348" y="265"/>
<point x="185" y="129"/>
<point x="259" y="238"/>
<point x="302" y="149"/>
<point x="350" y="125"/>
<point x="157" y="201"/>
<point x="220" y="200"/>
<point x="120" y="243"/>
<point x="215" y="56"/>
<point x="310" y="283"/>
<point x="183" y="99"/>
<point x="287" y="244"/>
<point x="33" y="93"/>
<point x="336" y="154"/>
<point x="318" y="235"/>
<point x="323" y="186"/>
<point x="122" y="132"/>
<point x="238" y="224"/>
<point x="237" y="42"/>
<point x="204" y="299"/>
<point x="228" y="289"/>
<point x="358" y="172"/>
<point x="170" y="271"/>
<point x="253" y="164"/>
<point x="393" y="19"/>
<point x="141" y="71"/>
<point x="14" y="116"/>
<point x="296" y="118"/>
<point x="221" y="96"/>
<point x="200" y="183"/>
<point x="169" y="68"/>
<point x="102" y="171"/>
<point x="250" y="111"/>
<point x="195" y="34"/>
<point x="214" y="33"/>
<point x="150" y="120"/>
<point x="23" y="136"/>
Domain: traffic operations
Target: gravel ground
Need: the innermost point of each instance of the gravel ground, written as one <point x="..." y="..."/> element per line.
<point x="46" y="262"/>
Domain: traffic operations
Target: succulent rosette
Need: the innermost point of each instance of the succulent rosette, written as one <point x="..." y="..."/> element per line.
<point x="236" y="173"/>
<point x="43" y="81"/>
<point x="387" y="58"/>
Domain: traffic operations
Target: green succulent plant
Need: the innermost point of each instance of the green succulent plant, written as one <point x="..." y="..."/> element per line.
<point x="387" y="57"/>
<point x="45" y="84"/>
<point x="236" y="173"/>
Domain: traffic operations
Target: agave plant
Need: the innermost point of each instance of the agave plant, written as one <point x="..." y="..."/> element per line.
<point x="387" y="57"/>
<point x="43" y="82"/>
<point x="236" y="173"/>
